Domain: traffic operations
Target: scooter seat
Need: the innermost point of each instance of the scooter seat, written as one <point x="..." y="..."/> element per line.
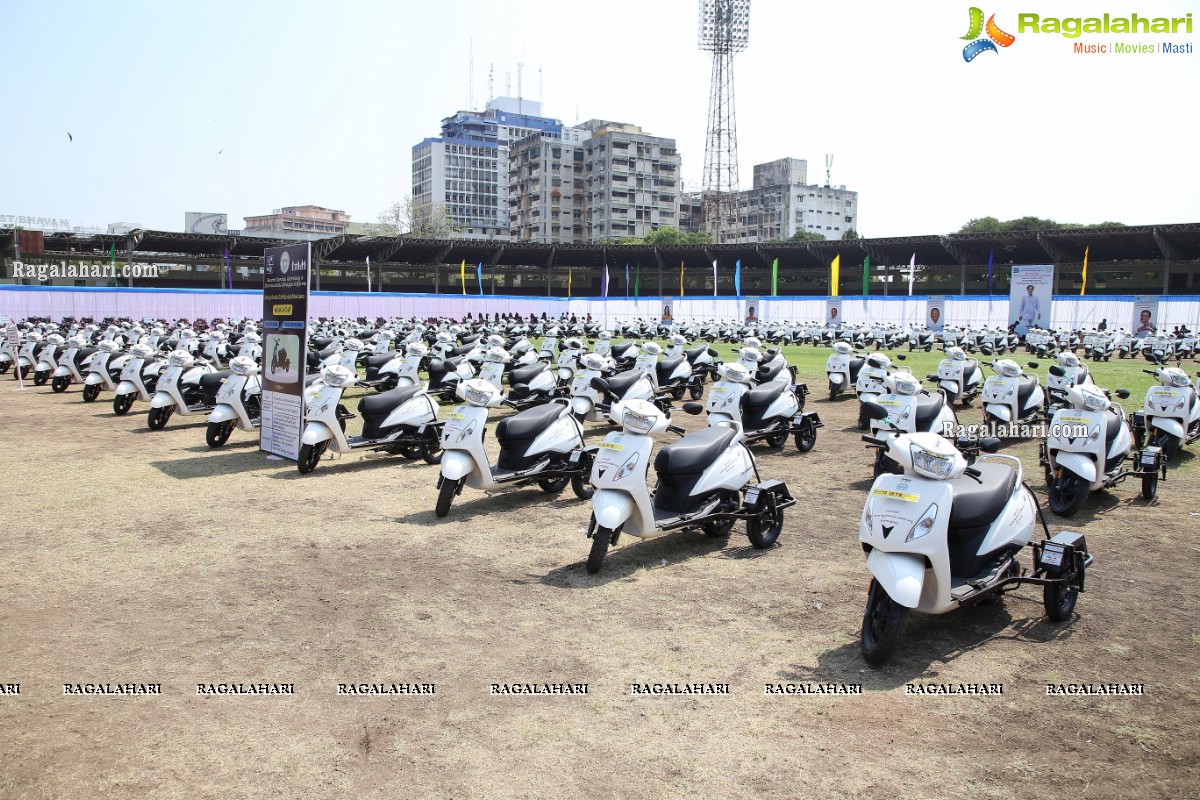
<point x="694" y="452"/>
<point x="666" y="367"/>
<point x="210" y="385"/>
<point x="1025" y="386"/>
<point x="528" y="423"/>
<point x="928" y="407"/>
<point x="461" y="351"/>
<point x="1114" y="422"/>
<point x="321" y="342"/>
<point x="620" y="347"/>
<point x="969" y="369"/>
<point x="694" y="353"/>
<point x="977" y="505"/>
<point x="769" y="372"/>
<point x="760" y="398"/>
<point x="526" y="374"/>
<point x="470" y="338"/>
<point x="856" y="367"/>
<point x="375" y="361"/>
<point x="620" y="384"/>
<point x="386" y="402"/>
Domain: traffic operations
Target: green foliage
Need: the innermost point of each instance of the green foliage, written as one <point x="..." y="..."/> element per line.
<point x="993" y="225"/>
<point x="805" y="236"/>
<point x="665" y="236"/>
<point x="850" y="234"/>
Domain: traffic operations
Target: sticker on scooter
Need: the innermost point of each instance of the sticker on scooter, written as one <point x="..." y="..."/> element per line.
<point x="892" y="494"/>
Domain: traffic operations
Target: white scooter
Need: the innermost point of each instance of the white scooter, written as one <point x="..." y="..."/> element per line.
<point x="958" y="376"/>
<point x="182" y="388"/>
<point x="944" y="534"/>
<point x="47" y="359"/>
<point x="73" y="364"/>
<point x="1086" y="447"/>
<point x="1071" y="372"/>
<point x="239" y="402"/>
<point x="104" y="370"/>
<point x="874" y="381"/>
<point x="401" y="421"/>
<point x="842" y="368"/>
<point x="1170" y="416"/>
<point x="139" y="378"/>
<point x="770" y="413"/>
<point x="1010" y="396"/>
<point x="701" y="481"/>
<point x="542" y="445"/>
<point x="910" y="409"/>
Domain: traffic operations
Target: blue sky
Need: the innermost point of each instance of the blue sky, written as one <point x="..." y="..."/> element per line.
<point x="245" y="107"/>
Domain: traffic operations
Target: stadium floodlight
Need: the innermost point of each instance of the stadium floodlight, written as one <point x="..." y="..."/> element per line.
<point x="724" y="25"/>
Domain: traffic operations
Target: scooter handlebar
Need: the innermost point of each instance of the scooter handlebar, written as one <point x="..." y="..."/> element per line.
<point x="676" y="429"/>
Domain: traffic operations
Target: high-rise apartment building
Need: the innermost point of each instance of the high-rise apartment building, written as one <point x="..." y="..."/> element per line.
<point x="631" y="180"/>
<point x="547" y="201"/>
<point x="466" y="169"/>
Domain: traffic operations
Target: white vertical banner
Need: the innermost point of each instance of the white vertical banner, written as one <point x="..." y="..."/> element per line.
<point x="714" y="277"/>
<point x="1031" y="296"/>
<point x="1145" y="316"/>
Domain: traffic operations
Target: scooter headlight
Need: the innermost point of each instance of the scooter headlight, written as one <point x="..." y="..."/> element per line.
<point x="1093" y="402"/>
<point x="868" y="519"/>
<point x="627" y="467"/>
<point x="924" y="524"/>
<point x="637" y="423"/>
<point x="931" y="464"/>
<point x="476" y="397"/>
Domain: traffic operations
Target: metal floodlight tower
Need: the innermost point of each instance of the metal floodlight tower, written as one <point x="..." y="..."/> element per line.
<point x="724" y="30"/>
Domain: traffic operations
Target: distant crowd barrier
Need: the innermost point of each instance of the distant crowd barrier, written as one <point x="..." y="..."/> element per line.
<point x="1071" y="311"/>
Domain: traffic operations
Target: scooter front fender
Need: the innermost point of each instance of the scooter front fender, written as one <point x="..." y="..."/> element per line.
<point x="61" y="372"/>
<point x="314" y="432"/>
<point x="901" y="575"/>
<point x="1078" y="463"/>
<point x="126" y="387"/>
<point x="161" y="400"/>
<point x="581" y="405"/>
<point x="1167" y="425"/>
<point x="1002" y="413"/>
<point x="951" y="387"/>
<point x="836" y="378"/>
<point x="612" y="508"/>
<point x="225" y="413"/>
<point x="93" y="379"/>
<point x="457" y="464"/>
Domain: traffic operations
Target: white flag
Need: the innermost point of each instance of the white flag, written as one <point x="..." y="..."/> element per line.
<point x="911" y="266"/>
<point x="714" y="277"/>
<point x="368" y="273"/>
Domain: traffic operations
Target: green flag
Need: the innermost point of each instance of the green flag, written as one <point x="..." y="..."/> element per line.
<point x="112" y="258"/>
<point x="637" y="280"/>
<point x="775" y="277"/>
<point x="866" y="276"/>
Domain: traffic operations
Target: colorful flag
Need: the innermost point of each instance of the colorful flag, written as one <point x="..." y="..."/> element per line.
<point x="835" y="273"/>
<point x="867" y="276"/>
<point x="462" y="273"/>
<point x="737" y="278"/>
<point x="1083" y="285"/>
<point x="775" y="277"/>
<point x="604" y="282"/>
<point x="368" y="272"/>
<point x="637" y="281"/>
<point x="228" y="271"/>
<point x="991" y="253"/>
<point x="568" y="281"/>
<point x="479" y="277"/>
<point x="714" y="277"/>
<point x="112" y="257"/>
<point x="681" y="277"/>
<point x="912" y="266"/>
<point x="627" y="279"/>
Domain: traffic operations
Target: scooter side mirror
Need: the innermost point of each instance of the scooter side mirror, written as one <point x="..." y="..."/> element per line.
<point x="599" y="384"/>
<point x="1057" y="371"/>
<point x="931" y="377"/>
<point x="1033" y="365"/>
<point x="712" y="351"/>
<point x="873" y="410"/>
<point x="989" y="444"/>
<point x="693" y="408"/>
<point x="901" y="356"/>
<point x="1123" y="394"/>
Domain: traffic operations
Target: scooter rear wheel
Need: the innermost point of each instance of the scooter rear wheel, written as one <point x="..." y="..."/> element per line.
<point x="763" y="530"/>
<point x="553" y="485"/>
<point x="696" y="390"/>
<point x="806" y="439"/>
<point x="40" y="377"/>
<point x="601" y="539"/>
<point x="122" y="403"/>
<point x="432" y="453"/>
<point x="60" y="384"/>
<point x="883" y="625"/>
<point x="777" y="439"/>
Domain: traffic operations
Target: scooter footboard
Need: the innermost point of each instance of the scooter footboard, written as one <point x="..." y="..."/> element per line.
<point x="901" y="575"/>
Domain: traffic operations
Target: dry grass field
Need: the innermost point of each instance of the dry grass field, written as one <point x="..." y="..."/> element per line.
<point x="136" y="556"/>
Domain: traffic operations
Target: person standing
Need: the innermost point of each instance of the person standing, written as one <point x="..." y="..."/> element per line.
<point x="1030" y="310"/>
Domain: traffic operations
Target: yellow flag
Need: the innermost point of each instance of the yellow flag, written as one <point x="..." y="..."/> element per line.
<point x="568" y="281"/>
<point x="1083" y="285"/>
<point x="462" y="274"/>
<point x="681" y="277"/>
<point x="836" y="267"/>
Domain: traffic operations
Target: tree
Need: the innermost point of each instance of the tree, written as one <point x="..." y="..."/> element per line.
<point x="806" y="236"/>
<point x="665" y="236"/>
<point x="850" y="234"/>
<point x="413" y="218"/>
<point x="993" y="225"/>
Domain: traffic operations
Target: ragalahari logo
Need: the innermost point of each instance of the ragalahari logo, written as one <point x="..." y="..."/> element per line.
<point x="995" y="36"/>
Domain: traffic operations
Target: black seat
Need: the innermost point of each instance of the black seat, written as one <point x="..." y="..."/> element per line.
<point x="386" y="402"/>
<point x="619" y="384"/>
<point x="1025" y="387"/>
<point x="378" y="360"/>
<point x="620" y="347"/>
<point x="969" y="368"/>
<point x="1113" y="422"/>
<point x="694" y="452"/>
<point x="928" y="407"/>
<point x="210" y="385"/>
<point x="694" y="353"/>
<point x="83" y="353"/>
<point x="321" y="342"/>
<point x="461" y="351"/>
<point x="856" y="364"/>
<point x="666" y="367"/>
<point x="470" y="338"/>
<point x="529" y="423"/>
<point x="762" y="397"/>
<point x="526" y="374"/>
<point x="977" y="505"/>
<point x="325" y="352"/>
<point x="769" y="372"/>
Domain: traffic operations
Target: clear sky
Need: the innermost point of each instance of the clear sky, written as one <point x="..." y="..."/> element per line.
<point x="249" y="106"/>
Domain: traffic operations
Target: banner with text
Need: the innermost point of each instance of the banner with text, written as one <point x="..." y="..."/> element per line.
<point x="1030" y="297"/>
<point x="285" y="347"/>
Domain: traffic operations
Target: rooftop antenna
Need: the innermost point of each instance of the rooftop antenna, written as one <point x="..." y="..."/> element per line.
<point x="508" y="83"/>
<point x="828" y="168"/>
<point x="471" y="77"/>
<point x="491" y="93"/>
<point x="520" y="71"/>
<point x="539" y="84"/>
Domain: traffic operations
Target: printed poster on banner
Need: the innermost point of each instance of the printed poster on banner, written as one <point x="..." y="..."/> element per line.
<point x="1030" y="298"/>
<point x="285" y="347"/>
<point x="752" y="310"/>
<point x="1145" y="316"/>
<point x="935" y="313"/>
<point x="833" y="312"/>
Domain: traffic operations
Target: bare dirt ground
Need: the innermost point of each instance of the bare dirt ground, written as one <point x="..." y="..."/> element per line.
<point x="136" y="556"/>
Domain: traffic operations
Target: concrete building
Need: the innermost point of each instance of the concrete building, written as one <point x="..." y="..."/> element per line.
<point x="631" y="180"/>
<point x="547" y="201"/>
<point x="299" y="222"/>
<point x="783" y="203"/>
<point x="466" y="169"/>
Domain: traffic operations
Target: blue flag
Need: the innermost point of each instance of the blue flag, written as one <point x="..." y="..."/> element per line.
<point x="737" y="278"/>
<point x="479" y="276"/>
<point x="627" y="279"/>
<point x="990" y="254"/>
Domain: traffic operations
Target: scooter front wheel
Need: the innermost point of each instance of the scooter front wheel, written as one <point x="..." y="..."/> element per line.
<point x="60" y="384"/>
<point x="310" y="456"/>
<point x="446" y="497"/>
<point x="40" y="377"/>
<point x="883" y="625"/>
<point x="601" y="539"/>
<point x="1059" y="600"/>
<point x="1067" y="493"/>
<point x="218" y="433"/>
<point x="90" y="393"/>
<point x="157" y="418"/>
<point x="122" y="403"/>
